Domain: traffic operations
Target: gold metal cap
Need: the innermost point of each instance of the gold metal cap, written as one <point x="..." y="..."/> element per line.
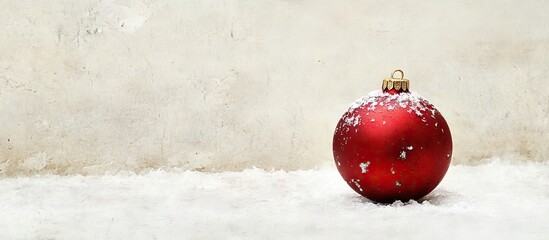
<point x="399" y="84"/>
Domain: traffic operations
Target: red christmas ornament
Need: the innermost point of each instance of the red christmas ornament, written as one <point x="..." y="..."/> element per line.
<point x="392" y="144"/>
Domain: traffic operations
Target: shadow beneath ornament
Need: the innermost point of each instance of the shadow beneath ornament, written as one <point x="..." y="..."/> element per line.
<point x="438" y="197"/>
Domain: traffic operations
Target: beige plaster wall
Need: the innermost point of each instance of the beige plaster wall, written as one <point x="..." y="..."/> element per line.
<point x="88" y="87"/>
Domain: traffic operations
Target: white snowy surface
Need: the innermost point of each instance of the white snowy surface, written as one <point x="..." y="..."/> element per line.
<point x="497" y="200"/>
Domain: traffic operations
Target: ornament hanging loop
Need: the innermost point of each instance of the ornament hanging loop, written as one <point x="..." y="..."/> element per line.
<point x="399" y="71"/>
<point x="396" y="85"/>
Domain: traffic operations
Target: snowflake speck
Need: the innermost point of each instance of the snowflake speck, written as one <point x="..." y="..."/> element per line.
<point x="364" y="166"/>
<point x="357" y="184"/>
<point x="402" y="155"/>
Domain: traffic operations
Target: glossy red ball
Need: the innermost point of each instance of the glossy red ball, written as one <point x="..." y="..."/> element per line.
<point x="392" y="146"/>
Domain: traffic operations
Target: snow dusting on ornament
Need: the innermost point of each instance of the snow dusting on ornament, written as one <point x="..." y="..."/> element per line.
<point x="352" y="121"/>
<point x="412" y="102"/>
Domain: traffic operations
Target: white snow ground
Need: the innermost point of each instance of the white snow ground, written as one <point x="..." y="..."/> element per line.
<point x="492" y="201"/>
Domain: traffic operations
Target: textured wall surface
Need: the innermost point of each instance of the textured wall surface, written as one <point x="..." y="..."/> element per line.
<point x="101" y="86"/>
